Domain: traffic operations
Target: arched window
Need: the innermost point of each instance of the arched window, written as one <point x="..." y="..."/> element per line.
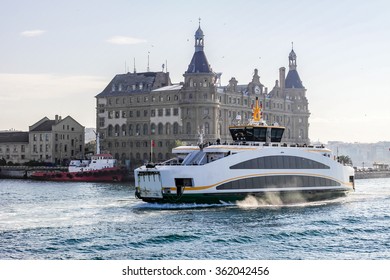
<point x="145" y="156"/>
<point x="168" y="129"/>
<point x="160" y="128"/>
<point x="110" y="130"/>
<point x="138" y="129"/>
<point x="117" y="129"/>
<point x="188" y="128"/>
<point x="152" y="129"/>
<point x="145" y="129"/>
<point x="160" y="156"/>
<point x="124" y="130"/>
<point x="175" y="128"/>
<point x="130" y="129"/>
<point x="116" y="156"/>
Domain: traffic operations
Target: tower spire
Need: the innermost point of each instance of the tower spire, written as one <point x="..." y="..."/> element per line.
<point x="199" y="39"/>
<point x="292" y="58"/>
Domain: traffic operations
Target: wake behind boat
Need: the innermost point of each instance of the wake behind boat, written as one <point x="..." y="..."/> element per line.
<point x="255" y="164"/>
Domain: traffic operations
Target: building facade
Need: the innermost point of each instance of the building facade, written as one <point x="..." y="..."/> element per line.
<point x="14" y="147"/>
<point x="142" y="116"/>
<point x="51" y="141"/>
<point x="56" y="141"/>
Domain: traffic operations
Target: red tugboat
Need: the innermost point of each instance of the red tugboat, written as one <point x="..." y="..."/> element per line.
<point x="101" y="168"/>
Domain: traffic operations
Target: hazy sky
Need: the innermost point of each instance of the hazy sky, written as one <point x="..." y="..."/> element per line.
<point x="55" y="56"/>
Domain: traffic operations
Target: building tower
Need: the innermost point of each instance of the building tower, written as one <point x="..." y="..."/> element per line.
<point x="294" y="90"/>
<point x="198" y="96"/>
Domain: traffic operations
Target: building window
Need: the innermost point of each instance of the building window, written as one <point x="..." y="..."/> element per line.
<point x="130" y="129"/>
<point x="175" y="111"/>
<point x="101" y="122"/>
<point x="167" y="112"/>
<point x="188" y="128"/>
<point x="145" y="113"/>
<point x="206" y="128"/>
<point x="160" y="128"/>
<point x="117" y="129"/>
<point x="110" y="128"/>
<point x="145" y="129"/>
<point x="175" y="128"/>
<point x="168" y="129"/>
<point x="160" y="112"/>
<point x="153" y="113"/>
<point x="152" y="128"/>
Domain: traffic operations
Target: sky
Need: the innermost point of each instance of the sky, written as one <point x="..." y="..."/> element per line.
<point x="56" y="56"/>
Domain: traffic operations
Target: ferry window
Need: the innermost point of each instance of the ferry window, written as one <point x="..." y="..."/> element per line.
<point x="276" y="134"/>
<point x="282" y="181"/>
<point x="260" y="134"/>
<point x="280" y="162"/>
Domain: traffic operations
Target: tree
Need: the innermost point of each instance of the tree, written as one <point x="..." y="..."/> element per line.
<point x="346" y="160"/>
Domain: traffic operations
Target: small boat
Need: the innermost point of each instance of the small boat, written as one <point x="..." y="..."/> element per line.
<point x="101" y="168"/>
<point x="256" y="164"/>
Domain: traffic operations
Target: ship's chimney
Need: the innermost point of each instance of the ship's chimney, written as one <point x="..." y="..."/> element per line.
<point x="282" y="77"/>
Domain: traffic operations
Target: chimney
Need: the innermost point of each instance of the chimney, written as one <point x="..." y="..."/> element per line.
<point x="282" y="77"/>
<point x="56" y="118"/>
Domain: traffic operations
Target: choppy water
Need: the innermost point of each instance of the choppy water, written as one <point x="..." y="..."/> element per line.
<point x="46" y="220"/>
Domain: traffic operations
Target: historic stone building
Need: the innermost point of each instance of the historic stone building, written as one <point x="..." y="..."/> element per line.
<point x="141" y="116"/>
<point x="14" y="147"/>
<point x="56" y="141"/>
<point x="51" y="141"/>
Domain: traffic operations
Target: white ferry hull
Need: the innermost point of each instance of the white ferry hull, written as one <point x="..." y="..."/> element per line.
<point x="277" y="174"/>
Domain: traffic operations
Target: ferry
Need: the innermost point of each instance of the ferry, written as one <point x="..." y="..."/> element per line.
<point x="101" y="168"/>
<point x="256" y="164"/>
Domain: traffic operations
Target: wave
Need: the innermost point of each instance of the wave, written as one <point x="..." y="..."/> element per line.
<point x="177" y="206"/>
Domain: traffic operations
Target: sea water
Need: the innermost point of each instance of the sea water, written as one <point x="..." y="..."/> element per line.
<point x="53" y="220"/>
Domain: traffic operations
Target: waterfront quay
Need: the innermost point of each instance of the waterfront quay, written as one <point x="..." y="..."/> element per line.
<point x="24" y="172"/>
